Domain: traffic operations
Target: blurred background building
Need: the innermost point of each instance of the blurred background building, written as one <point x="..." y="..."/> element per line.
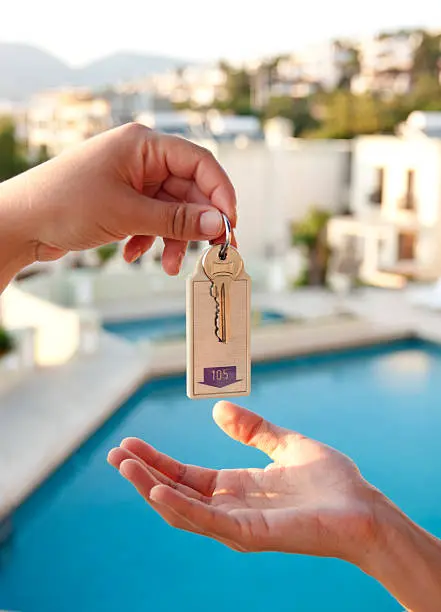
<point x="347" y="129"/>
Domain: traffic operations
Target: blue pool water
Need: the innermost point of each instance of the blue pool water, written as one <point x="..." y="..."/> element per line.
<point x="86" y="542"/>
<point x="158" y="328"/>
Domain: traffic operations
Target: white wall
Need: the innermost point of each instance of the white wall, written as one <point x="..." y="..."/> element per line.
<point x="57" y="330"/>
<point x="276" y="186"/>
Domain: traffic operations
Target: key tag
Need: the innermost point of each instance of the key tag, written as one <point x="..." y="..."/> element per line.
<point x="218" y="324"/>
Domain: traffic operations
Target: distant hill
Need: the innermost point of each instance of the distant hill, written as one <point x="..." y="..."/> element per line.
<point x="25" y="70"/>
<point x="123" y="67"/>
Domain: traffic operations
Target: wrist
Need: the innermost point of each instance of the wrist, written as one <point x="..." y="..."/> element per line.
<point x="404" y="558"/>
<point x="16" y="247"/>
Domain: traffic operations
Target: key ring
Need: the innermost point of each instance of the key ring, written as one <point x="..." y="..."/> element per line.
<point x="226" y="245"/>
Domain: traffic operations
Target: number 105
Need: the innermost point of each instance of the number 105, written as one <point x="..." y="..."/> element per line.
<point x="220" y="374"/>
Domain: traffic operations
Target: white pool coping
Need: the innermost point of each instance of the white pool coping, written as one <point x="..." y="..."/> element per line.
<point x="46" y="418"/>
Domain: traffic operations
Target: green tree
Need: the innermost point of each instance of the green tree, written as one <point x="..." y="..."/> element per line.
<point x="12" y="159"/>
<point x="340" y="113"/>
<point x="238" y="91"/>
<point x="296" y="110"/>
<point x="427" y="56"/>
<point x="106" y="252"/>
<point x="309" y="235"/>
<point x="6" y="341"/>
<point x="426" y="94"/>
<point x="350" y="66"/>
<point x="345" y="115"/>
<point x="43" y="155"/>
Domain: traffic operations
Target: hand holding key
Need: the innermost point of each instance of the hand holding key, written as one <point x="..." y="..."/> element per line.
<point x="128" y="182"/>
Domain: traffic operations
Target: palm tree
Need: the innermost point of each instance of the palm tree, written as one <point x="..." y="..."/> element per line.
<point x="310" y="235"/>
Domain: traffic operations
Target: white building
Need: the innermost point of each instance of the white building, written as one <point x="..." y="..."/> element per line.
<point x="323" y="63"/>
<point x="395" y="204"/>
<point x="197" y="85"/>
<point x="277" y="186"/>
<point x="129" y="100"/>
<point x="317" y="66"/>
<point x="58" y="120"/>
<point x="386" y="62"/>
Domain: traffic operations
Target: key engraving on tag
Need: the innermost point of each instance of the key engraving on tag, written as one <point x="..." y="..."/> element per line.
<point x="218" y="351"/>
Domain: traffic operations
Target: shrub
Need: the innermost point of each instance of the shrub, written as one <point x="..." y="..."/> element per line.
<point x="106" y="252"/>
<point x="6" y="342"/>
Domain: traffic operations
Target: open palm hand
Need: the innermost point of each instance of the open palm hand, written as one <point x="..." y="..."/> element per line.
<point x="311" y="499"/>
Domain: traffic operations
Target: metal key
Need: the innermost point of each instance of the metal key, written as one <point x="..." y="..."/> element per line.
<point x="222" y="272"/>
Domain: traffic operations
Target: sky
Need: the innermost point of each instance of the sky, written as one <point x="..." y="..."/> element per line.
<point x="84" y="30"/>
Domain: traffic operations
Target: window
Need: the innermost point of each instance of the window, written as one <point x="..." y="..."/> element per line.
<point x="406" y="246"/>
<point x="376" y="197"/>
<point x="408" y="202"/>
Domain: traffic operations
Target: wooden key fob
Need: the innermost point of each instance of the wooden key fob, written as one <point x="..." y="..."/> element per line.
<point x="218" y="326"/>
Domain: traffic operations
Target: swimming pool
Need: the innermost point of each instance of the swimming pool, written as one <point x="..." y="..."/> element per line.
<point x="86" y="542"/>
<point x="171" y="326"/>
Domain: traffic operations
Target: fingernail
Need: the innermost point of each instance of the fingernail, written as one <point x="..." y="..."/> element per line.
<point x="135" y="255"/>
<point x="211" y="224"/>
<point x="179" y="262"/>
<point x="153" y="494"/>
<point x="122" y="467"/>
<point x="225" y="199"/>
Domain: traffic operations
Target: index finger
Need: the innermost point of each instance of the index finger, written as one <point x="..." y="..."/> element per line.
<point x="188" y="160"/>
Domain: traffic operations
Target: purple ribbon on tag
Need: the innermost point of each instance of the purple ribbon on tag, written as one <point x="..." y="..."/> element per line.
<point x="220" y="376"/>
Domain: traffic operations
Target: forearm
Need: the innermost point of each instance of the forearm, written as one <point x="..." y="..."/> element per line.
<point x="406" y="560"/>
<point x="15" y="243"/>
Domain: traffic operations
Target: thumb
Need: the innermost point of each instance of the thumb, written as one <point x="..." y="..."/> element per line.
<point x="177" y="220"/>
<point x="252" y="429"/>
